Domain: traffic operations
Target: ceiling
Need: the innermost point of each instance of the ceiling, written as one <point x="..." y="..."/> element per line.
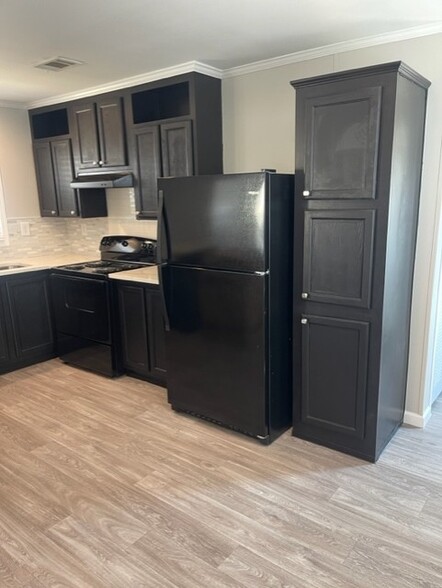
<point x="118" y="40"/>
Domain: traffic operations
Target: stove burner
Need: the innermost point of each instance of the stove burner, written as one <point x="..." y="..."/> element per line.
<point x="75" y="266"/>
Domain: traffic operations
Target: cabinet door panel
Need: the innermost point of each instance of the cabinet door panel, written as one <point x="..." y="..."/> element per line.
<point x="334" y="374"/>
<point x="63" y="174"/>
<point x="5" y="352"/>
<point x="157" y="335"/>
<point x="342" y="131"/>
<point x="45" y="179"/>
<point x="133" y="322"/>
<point x="111" y="125"/>
<point x="30" y="313"/>
<point x="338" y="256"/>
<point x="85" y="122"/>
<point x="148" y="169"/>
<point x="176" y="146"/>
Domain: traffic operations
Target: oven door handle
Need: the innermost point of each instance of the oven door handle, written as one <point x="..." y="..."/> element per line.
<point x="162" y="261"/>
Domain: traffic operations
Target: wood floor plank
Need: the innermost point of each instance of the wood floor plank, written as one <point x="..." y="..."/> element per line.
<point x="103" y="485"/>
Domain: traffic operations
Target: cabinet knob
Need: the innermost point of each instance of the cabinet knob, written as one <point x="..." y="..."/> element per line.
<point x="306" y="193"/>
<point x="304" y="295"/>
<point x="137" y="212"/>
<point x="304" y="321"/>
<point x="53" y="212"/>
<point x="72" y="211"/>
<point x="100" y="162"/>
<point x="95" y="163"/>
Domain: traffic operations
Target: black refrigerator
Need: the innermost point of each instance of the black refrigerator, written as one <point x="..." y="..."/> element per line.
<point x="225" y="253"/>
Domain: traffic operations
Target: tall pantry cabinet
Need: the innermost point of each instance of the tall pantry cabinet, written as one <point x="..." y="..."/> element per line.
<point x="359" y="141"/>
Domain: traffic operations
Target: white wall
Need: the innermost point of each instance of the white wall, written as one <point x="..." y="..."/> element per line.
<point x="259" y="121"/>
<point x="17" y="164"/>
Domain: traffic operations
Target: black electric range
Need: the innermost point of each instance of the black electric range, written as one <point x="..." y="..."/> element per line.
<point x="118" y="253"/>
<point x="85" y="309"/>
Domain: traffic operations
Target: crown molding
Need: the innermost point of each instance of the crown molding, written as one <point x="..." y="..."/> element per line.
<point x="199" y="67"/>
<point x="326" y="50"/>
<point x="11" y="104"/>
<point x="144" y="78"/>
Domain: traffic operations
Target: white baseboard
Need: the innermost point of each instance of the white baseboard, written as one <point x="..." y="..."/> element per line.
<point x="417" y="420"/>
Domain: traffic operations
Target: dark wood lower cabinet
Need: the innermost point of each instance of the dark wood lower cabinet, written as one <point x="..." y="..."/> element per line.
<point x="142" y="331"/>
<point x="26" y="335"/>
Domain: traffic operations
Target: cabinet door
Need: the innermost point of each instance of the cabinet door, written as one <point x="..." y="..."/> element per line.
<point x="338" y="256"/>
<point x="147" y="150"/>
<point x="85" y="130"/>
<point x="5" y="352"/>
<point x="111" y="130"/>
<point x="334" y="374"/>
<point x="63" y="175"/>
<point x="157" y="336"/>
<point x="133" y="324"/>
<point x="176" y="147"/>
<point x="45" y="179"/>
<point x="30" y="314"/>
<point x="341" y="144"/>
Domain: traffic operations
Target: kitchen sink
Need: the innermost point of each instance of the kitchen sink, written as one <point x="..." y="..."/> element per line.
<point x="12" y="266"/>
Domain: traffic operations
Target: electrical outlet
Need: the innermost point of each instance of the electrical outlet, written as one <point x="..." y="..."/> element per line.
<point x="24" y="229"/>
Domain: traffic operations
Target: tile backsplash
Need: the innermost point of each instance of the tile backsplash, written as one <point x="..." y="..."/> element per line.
<point x="75" y="235"/>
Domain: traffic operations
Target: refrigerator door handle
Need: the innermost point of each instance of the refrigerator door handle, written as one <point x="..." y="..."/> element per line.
<point x="162" y="237"/>
<point x="162" y="257"/>
<point x="163" y="297"/>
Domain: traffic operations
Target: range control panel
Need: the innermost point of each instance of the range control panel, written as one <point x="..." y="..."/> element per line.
<point x="128" y="248"/>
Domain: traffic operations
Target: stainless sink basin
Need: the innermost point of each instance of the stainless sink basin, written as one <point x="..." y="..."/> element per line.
<point x="12" y="266"/>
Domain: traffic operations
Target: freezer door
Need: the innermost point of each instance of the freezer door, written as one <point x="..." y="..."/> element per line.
<point x="216" y="346"/>
<point x="215" y="221"/>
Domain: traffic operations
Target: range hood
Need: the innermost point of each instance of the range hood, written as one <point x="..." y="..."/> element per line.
<point x="103" y="180"/>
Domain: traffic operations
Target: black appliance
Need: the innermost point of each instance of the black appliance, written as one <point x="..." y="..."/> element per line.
<point x="225" y="247"/>
<point x="86" y="328"/>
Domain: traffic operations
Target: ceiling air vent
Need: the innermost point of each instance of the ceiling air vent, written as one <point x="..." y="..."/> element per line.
<point x="58" y="63"/>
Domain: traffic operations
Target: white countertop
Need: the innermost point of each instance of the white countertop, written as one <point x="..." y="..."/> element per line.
<point x="144" y="275"/>
<point x="32" y="264"/>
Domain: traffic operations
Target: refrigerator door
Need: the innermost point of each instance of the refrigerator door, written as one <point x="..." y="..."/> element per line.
<point x="216" y="346"/>
<point x="215" y="221"/>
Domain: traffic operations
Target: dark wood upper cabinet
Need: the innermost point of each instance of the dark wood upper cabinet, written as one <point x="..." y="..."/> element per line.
<point x="63" y="176"/>
<point x="147" y="168"/>
<point x="169" y="127"/>
<point x="341" y="144"/>
<point x="176" y="148"/>
<point x="45" y="178"/>
<point x="111" y="131"/>
<point x="54" y="171"/>
<point x="359" y="144"/>
<point x="98" y="133"/>
<point x="184" y="114"/>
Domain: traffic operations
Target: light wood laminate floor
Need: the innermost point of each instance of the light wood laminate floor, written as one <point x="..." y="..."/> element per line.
<point x="102" y="485"/>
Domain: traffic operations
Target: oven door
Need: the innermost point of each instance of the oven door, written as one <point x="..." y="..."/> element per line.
<point x="81" y="307"/>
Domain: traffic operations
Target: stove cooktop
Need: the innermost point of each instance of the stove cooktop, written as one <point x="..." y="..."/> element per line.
<point x="118" y="253"/>
<point x="100" y="267"/>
